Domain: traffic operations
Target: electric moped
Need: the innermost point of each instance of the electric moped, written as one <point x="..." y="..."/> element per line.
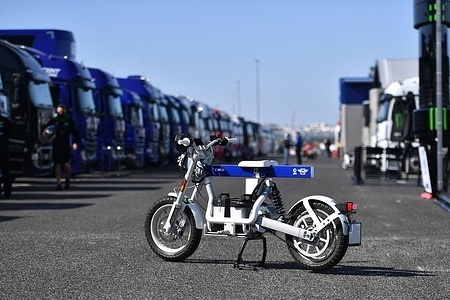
<point x="316" y="229"/>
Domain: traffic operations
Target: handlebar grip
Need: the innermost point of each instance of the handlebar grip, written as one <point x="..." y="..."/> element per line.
<point x="220" y="141"/>
<point x="227" y="140"/>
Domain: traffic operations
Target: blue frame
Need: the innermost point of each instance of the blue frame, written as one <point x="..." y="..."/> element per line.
<point x="289" y="171"/>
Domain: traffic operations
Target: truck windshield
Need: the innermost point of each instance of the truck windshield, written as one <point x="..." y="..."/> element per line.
<point x="184" y="114"/>
<point x="115" y="106"/>
<point x="4" y="109"/>
<point x="384" y="107"/>
<point x="175" y="115"/>
<point x="40" y="93"/>
<point x="154" y="113"/>
<point x="225" y="126"/>
<point x="198" y="121"/>
<point x="86" y="100"/>
<point x="136" y="117"/>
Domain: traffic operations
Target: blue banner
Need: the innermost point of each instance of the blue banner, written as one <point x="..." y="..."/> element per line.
<point x="285" y="171"/>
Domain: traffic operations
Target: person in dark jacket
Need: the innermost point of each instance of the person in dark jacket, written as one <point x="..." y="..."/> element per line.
<point x="66" y="139"/>
<point x="287" y="143"/>
<point x="298" y="147"/>
<point x="5" y="133"/>
<point x="327" y="144"/>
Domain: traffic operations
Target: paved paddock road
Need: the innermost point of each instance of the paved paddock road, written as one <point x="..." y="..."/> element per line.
<point x="89" y="243"/>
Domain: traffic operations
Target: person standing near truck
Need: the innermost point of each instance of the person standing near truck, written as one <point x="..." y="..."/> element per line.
<point x="287" y="143"/>
<point x="327" y="144"/>
<point x="66" y="138"/>
<point x="5" y="133"/>
<point x="298" y="147"/>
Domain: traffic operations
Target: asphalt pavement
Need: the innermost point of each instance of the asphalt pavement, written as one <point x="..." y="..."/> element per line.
<point x="89" y="243"/>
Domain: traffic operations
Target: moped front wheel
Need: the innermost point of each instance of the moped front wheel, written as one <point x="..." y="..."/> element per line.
<point x="178" y="244"/>
<point x="327" y="249"/>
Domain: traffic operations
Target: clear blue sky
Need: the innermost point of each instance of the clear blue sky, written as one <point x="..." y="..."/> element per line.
<point x="202" y="48"/>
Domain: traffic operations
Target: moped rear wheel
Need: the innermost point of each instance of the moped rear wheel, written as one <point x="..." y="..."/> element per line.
<point x="326" y="250"/>
<point x="178" y="244"/>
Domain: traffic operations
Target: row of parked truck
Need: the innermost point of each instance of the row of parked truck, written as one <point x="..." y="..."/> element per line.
<point x="397" y="119"/>
<point x="121" y="120"/>
<point x="377" y="114"/>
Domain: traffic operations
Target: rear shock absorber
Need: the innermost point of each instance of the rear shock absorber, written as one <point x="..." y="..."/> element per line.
<point x="277" y="201"/>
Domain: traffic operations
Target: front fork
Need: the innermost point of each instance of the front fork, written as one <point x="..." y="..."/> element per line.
<point x="177" y="206"/>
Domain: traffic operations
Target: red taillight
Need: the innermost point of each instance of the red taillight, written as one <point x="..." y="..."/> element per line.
<point x="351" y="207"/>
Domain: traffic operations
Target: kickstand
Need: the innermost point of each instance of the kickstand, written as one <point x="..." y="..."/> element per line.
<point x="240" y="264"/>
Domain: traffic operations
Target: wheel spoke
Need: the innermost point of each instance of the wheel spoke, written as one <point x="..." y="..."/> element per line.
<point x="324" y="240"/>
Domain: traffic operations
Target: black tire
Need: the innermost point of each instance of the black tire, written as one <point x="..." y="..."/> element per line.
<point x="178" y="245"/>
<point x="327" y="249"/>
<point x="412" y="158"/>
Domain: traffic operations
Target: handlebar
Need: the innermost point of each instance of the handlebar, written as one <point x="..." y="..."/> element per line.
<point x="187" y="142"/>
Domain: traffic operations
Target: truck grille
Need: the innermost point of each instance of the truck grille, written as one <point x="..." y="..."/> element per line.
<point x="90" y="145"/>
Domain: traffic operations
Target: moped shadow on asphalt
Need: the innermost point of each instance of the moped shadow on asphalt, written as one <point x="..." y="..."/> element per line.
<point x="337" y="270"/>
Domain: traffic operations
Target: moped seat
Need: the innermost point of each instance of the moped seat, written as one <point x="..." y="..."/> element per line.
<point x="257" y="163"/>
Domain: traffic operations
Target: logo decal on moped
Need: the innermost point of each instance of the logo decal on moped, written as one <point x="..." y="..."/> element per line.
<point x="299" y="171"/>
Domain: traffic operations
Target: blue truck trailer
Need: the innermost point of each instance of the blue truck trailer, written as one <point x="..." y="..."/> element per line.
<point x="156" y="131"/>
<point x="354" y="115"/>
<point x="72" y="85"/>
<point x="51" y="41"/>
<point x="29" y="105"/>
<point x="173" y="107"/>
<point x="4" y="102"/>
<point x="164" y="121"/>
<point x="111" y="130"/>
<point x="185" y="116"/>
<point x="132" y="107"/>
